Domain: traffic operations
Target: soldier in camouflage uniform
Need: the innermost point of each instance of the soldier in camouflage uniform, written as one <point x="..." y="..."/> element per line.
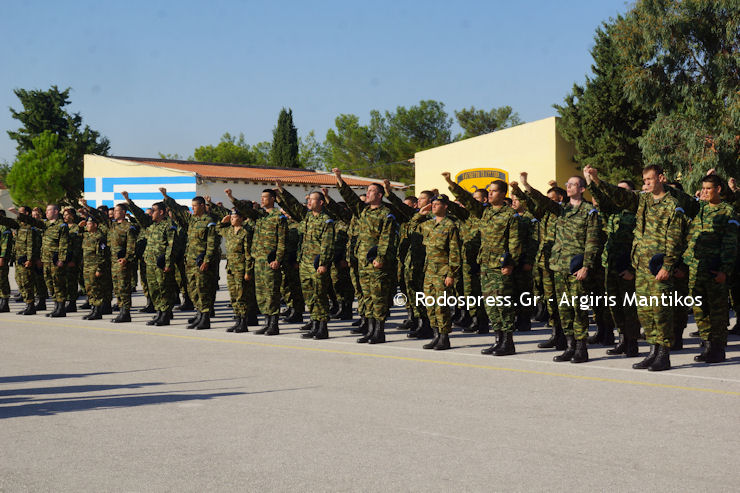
<point x="711" y="257"/>
<point x="500" y="251"/>
<point x="96" y="261"/>
<point x="160" y="233"/>
<point x="27" y="258"/>
<point x="181" y="272"/>
<point x="316" y="256"/>
<point x="268" y="252"/>
<point x="121" y="240"/>
<point x="291" y="287"/>
<point x="42" y="287"/>
<point x="340" y="271"/>
<point x="6" y="257"/>
<point x="74" y="266"/>
<point x="201" y="256"/>
<point x="577" y="234"/>
<point x="620" y="275"/>
<point x="54" y="254"/>
<point x="658" y="239"/>
<point x="377" y="240"/>
<point x="523" y="279"/>
<point x="441" y="264"/>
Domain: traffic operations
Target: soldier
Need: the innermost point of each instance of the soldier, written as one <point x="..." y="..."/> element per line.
<point x="239" y="266"/>
<point x="523" y="279"/>
<point x="441" y="264"/>
<point x="28" y="258"/>
<point x="501" y="250"/>
<point x="268" y="252"/>
<point x="316" y="256"/>
<point x="377" y="232"/>
<point x="340" y="271"/>
<point x="96" y="260"/>
<point x="656" y="250"/>
<point x="42" y="285"/>
<point x="121" y="238"/>
<point x="54" y="255"/>
<point x="470" y="236"/>
<point x="291" y="286"/>
<point x="711" y="254"/>
<point x="574" y="255"/>
<point x="201" y="257"/>
<point x="74" y="266"/>
<point x="181" y="273"/>
<point x="160" y="232"/>
<point x="619" y="273"/>
<point x="6" y="257"/>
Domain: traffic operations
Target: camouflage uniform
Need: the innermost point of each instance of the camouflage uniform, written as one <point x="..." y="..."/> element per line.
<point x="291" y="288"/>
<point x="340" y="271"/>
<point x="6" y="253"/>
<point x="73" y="272"/>
<point x="318" y="241"/>
<point x="239" y="262"/>
<point x="96" y="258"/>
<point x="54" y="248"/>
<point x="523" y="279"/>
<point x="27" y="248"/>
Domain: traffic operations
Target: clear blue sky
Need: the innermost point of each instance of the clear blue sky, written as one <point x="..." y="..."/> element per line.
<point x="170" y="76"/>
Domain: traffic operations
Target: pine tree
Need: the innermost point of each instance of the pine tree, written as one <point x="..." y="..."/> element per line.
<point x="284" y="151"/>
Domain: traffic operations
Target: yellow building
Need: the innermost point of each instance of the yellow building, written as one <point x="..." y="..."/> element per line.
<point x="536" y="147"/>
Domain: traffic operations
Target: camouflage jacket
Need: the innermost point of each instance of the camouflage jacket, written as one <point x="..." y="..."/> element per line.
<point x="202" y="240"/>
<point x="96" y="255"/>
<point x="121" y="236"/>
<point x="712" y="240"/>
<point x="6" y="242"/>
<point x="160" y="238"/>
<point x="318" y="231"/>
<point x="270" y="231"/>
<point x="238" y="247"/>
<point x="27" y="240"/>
<point x="546" y="221"/>
<point x="55" y="238"/>
<point x="442" y="241"/>
<point x="659" y="224"/>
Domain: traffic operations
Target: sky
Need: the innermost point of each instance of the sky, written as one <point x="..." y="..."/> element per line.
<point x="169" y="76"/>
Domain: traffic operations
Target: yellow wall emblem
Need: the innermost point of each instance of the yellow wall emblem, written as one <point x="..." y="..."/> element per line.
<point x="479" y="178"/>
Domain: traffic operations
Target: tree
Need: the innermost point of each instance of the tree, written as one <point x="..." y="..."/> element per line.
<point x="43" y="111"/>
<point x="682" y="60"/>
<point x="478" y="122"/>
<point x="353" y="147"/>
<point x="600" y="120"/>
<point x="38" y="175"/>
<point x="285" y="142"/>
<point x="229" y="150"/>
<point x="311" y="152"/>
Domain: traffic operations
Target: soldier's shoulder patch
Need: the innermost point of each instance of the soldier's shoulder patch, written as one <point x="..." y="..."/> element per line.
<point x="64" y="225"/>
<point x="329" y="221"/>
<point x="134" y="228"/>
<point x="173" y="227"/>
<point x="733" y="221"/>
<point x="210" y="224"/>
<point x="391" y="216"/>
<point x="594" y="209"/>
<point x="680" y="209"/>
<point x="516" y="214"/>
<point x="534" y="220"/>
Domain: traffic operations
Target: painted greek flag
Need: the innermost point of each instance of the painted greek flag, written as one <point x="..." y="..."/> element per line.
<point x="143" y="190"/>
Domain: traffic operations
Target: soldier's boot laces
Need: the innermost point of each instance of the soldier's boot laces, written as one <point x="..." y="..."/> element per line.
<point x="165" y="319"/>
<point x="205" y="321"/>
<point x="443" y="343"/>
<point x="370" y="331"/>
<point x="570" y="349"/>
<point x="379" y="333"/>
<point x="323" y="331"/>
<point x="507" y="346"/>
<point x="499" y="334"/>
<point x="273" y="329"/>
<point x="313" y="331"/>
<point x="662" y="360"/>
<point x="581" y="354"/>
<point x="434" y="341"/>
<point x="642" y="365"/>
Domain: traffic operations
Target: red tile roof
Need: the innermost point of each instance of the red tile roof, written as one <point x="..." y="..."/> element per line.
<point x="219" y="171"/>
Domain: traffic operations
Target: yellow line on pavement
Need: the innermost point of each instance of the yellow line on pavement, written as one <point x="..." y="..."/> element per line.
<point x="393" y="357"/>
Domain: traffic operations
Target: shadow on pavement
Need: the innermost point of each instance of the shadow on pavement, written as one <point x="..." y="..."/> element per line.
<point x="62" y="376"/>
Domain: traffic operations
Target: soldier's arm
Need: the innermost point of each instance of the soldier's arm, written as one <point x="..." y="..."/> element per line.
<point x="210" y="243"/>
<point x="728" y="254"/>
<point x="131" y="237"/>
<point x="606" y="204"/>
<point x="543" y="202"/>
<point x="327" y="243"/>
<point x="454" y="260"/>
<point x="515" y="245"/>
<point x="181" y="217"/>
<point x="621" y="197"/>
<point x="5" y="244"/>
<point x="291" y="204"/>
<point x="418" y="219"/>
<point x="405" y="212"/>
<point x="9" y="222"/>
<point x="141" y="217"/>
<point x="244" y="207"/>
<point x="458" y="212"/>
<point x="674" y="240"/>
<point x="593" y="240"/>
<point x="387" y="236"/>
<point x="248" y="259"/>
<point x="532" y="245"/>
<point x="689" y="204"/>
<point x="471" y="205"/>
<point x="169" y="259"/>
<point x="218" y="211"/>
<point x="351" y="199"/>
<point x="36" y="223"/>
<point x="64" y="246"/>
<point x="282" y="233"/>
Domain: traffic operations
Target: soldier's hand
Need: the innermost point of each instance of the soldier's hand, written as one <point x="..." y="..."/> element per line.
<point x="167" y="268"/>
<point x="82" y="224"/>
<point x="720" y="277"/>
<point x="325" y="191"/>
<point x="226" y="219"/>
<point x="514" y="184"/>
<point x="627" y="275"/>
<point x="97" y="273"/>
<point x="82" y="202"/>
<point x="446" y="175"/>
<point x="2" y="261"/>
<point x="203" y="267"/>
<point x="247" y="277"/>
<point x="663" y="275"/>
<point x="591" y="173"/>
<point x="508" y="270"/>
<point x="336" y="172"/>
<point x="163" y="191"/>
<point x="523" y="178"/>
<point x="425" y="209"/>
<point x="387" y="185"/>
<point x="552" y="183"/>
<point x="125" y="194"/>
<point x="123" y="262"/>
<point x="582" y="274"/>
<point x="274" y="265"/>
<point x="378" y="264"/>
<point x="279" y="184"/>
<point x="321" y="270"/>
<point x="732" y="184"/>
<point x="207" y="199"/>
<point x="711" y="171"/>
<point x="449" y="281"/>
<point x="27" y="264"/>
<point x="228" y="192"/>
<point x="15" y="211"/>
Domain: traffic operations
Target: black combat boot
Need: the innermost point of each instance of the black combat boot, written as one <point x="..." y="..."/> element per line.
<point x="287" y="313"/>
<point x="243" y="327"/>
<point x="273" y="329"/>
<point x="96" y="313"/>
<point x="550" y="343"/>
<point x="716" y="353"/>
<point x="522" y="323"/>
<point x="569" y="351"/>
<point x="156" y="319"/>
<point x="443" y="343"/>
<point x="60" y="312"/>
<point x="193" y="321"/>
<point x="662" y="360"/>
<point x="409" y="323"/>
<point x="312" y="331"/>
<point x="434" y="341"/>
<point x="357" y="323"/>
<point x="86" y="305"/>
<point x="507" y="347"/>
<point x="41" y="305"/>
<point x="464" y="320"/>
<point x="55" y="310"/>
<point x="149" y="308"/>
<point x="370" y="331"/>
<point x="648" y="359"/>
<point x="307" y="327"/>
<point x="187" y="305"/>
<point x="474" y="323"/>
<point x="115" y="307"/>
<point x="295" y="317"/>
<point x="87" y="317"/>
<point x="619" y="348"/>
<point x="379" y="333"/>
<point x="165" y="319"/>
<point x="70" y="307"/>
<point x="205" y="321"/>
<point x="323" y="331"/>
<point x="30" y="309"/>
<point x="598" y="337"/>
<point x="106" y="309"/>
<point x="346" y="313"/>
<point x="236" y="325"/>
<point x="483" y="323"/>
<point x="540" y="314"/>
<point x="423" y="329"/>
<point x="677" y="339"/>
<point x="362" y="327"/>
<point x="4" y="307"/>
<point x="264" y="328"/>
<point x="124" y="315"/>
<point x="581" y="354"/>
<point x="499" y="334"/>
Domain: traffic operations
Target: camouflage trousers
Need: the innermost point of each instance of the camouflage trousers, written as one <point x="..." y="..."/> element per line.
<point x="267" y="285"/>
<point x="624" y="314"/>
<point x="4" y="281"/>
<point x="523" y="285"/>
<point x="122" y="286"/>
<point x="162" y="287"/>
<point x="494" y="283"/>
<point x="290" y="290"/>
<point x="72" y="277"/>
<point x="597" y="285"/>
<point x="181" y="278"/>
<point x="414" y="279"/>
<point x="572" y="315"/>
<point x="472" y="286"/>
<point x="142" y="277"/>
<point x="94" y="286"/>
<point x="545" y="279"/>
<point x="681" y="313"/>
<point x="657" y="320"/>
<point x="56" y="284"/>
<point x="203" y="285"/>
<point x="41" y="289"/>
<point x="25" y="278"/>
<point x="239" y="291"/>
<point x="354" y="272"/>
<point x="376" y="284"/>
<point x="342" y="283"/>
<point x="314" y="287"/>
<point x="712" y="315"/>
<point x="440" y="316"/>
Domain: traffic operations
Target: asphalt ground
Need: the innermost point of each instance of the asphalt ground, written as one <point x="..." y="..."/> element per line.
<point x="95" y="406"/>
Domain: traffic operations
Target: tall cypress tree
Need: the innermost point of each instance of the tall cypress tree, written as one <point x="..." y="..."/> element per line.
<point x="284" y="151"/>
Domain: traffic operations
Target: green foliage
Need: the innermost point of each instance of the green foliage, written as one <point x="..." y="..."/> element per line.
<point x="43" y="111"/>
<point x="38" y="175"/>
<point x="284" y="151"/>
<point x="479" y="122"/>
<point x="682" y="60"/>
<point x="311" y="152"/>
<point x="229" y="150"/>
